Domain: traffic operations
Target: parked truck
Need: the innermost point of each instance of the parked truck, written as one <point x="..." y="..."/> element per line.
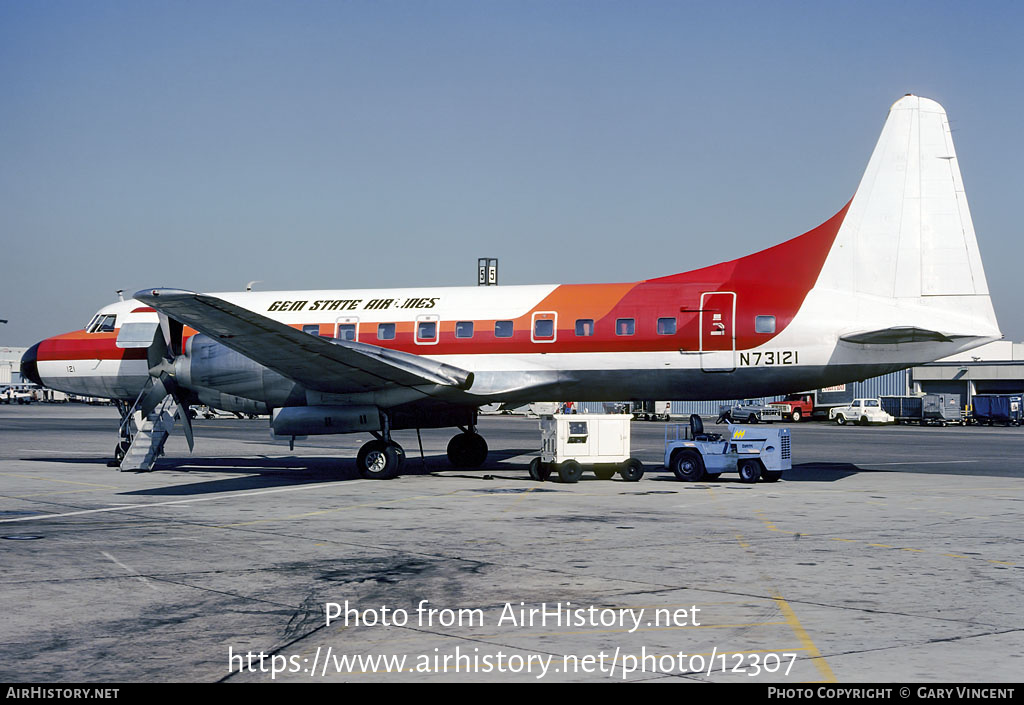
<point x="862" y="412"/>
<point x="749" y="411"/>
<point x="926" y="409"/>
<point x="803" y="405"/>
<point x="1005" y="409"/>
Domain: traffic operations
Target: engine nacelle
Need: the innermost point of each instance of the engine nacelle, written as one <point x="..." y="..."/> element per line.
<point x="322" y="420"/>
<point x="229" y="402"/>
<point x="210" y="368"/>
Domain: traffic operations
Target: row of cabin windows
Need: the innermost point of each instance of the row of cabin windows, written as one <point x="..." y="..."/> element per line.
<point x="543" y="328"/>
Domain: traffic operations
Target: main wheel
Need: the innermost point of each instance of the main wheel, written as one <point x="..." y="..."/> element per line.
<point x="632" y="470"/>
<point x="467" y="450"/>
<point x="379" y="460"/>
<point x="750" y="471"/>
<point x="570" y="471"/>
<point x="688" y="466"/>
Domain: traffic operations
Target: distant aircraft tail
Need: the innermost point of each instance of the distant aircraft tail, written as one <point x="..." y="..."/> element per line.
<point x="906" y="257"/>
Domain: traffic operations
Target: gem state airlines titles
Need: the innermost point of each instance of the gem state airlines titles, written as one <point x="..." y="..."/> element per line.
<point x="560" y="614"/>
<point x="354" y="304"/>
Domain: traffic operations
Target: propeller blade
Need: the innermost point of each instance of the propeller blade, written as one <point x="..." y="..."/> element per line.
<point x="186" y="423"/>
<point x="157" y="351"/>
<point x="172" y="331"/>
<point x="153" y="396"/>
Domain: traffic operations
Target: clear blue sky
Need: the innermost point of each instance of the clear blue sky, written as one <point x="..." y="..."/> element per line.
<point x="339" y="144"/>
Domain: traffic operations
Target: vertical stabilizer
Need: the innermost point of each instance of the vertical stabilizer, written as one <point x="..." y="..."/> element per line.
<point x="908" y="235"/>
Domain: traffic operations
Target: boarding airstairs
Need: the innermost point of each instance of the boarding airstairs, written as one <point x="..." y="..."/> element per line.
<point x="144" y="435"/>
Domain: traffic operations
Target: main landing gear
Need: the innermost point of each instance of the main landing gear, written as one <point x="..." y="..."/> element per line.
<point x="382" y="458"/>
<point x="468" y="449"/>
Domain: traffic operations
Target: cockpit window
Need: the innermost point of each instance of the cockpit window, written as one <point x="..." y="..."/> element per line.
<point x="102" y="323"/>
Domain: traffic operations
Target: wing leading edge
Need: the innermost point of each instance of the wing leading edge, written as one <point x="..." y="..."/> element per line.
<point x="317" y="363"/>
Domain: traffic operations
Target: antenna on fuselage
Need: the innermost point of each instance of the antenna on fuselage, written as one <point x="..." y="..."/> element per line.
<point x="248" y="287"/>
<point x="120" y="294"/>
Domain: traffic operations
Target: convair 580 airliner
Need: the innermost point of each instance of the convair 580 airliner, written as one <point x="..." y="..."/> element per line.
<point x="893" y="280"/>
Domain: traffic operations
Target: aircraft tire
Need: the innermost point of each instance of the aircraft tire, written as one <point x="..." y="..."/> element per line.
<point x="570" y="471"/>
<point x="467" y="450"/>
<point x="632" y="470"/>
<point x="121" y="450"/>
<point x="688" y="466"/>
<point x="379" y="460"/>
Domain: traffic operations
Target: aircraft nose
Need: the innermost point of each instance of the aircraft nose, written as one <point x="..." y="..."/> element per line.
<point x="29" y="366"/>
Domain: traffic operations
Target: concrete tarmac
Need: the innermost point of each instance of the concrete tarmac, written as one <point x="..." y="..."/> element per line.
<point x="888" y="554"/>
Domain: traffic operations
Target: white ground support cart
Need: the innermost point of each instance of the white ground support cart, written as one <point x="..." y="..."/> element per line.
<point x="755" y="452"/>
<point x="571" y="443"/>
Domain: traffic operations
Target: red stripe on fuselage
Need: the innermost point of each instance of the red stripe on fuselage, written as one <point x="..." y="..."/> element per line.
<point x="79" y="345"/>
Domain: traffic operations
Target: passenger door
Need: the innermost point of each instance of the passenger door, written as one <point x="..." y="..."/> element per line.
<point x="718" y="331"/>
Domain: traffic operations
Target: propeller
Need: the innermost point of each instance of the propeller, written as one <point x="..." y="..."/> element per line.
<point x="160" y="357"/>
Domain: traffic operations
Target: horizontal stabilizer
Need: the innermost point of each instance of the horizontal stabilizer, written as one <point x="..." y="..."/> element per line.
<point x="898" y="335"/>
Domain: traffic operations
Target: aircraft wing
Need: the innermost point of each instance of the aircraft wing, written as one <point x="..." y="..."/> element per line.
<point x="317" y="363"/>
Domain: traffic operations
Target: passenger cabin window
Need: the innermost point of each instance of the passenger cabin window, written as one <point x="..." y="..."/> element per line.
<point x="311" y="329"/>
<point x="584" y="327"/>
<point x="464" y="329"/>
<point x="666" y="326"/>
<point x="625" y="326"/>
<point x="346" y="331"/>
<point x="503" y="329"/>
<point x="426" y="331"/>
<point x="544" y="328"/>
<point x="386" y="331"/>
<point x="764" y="324"/>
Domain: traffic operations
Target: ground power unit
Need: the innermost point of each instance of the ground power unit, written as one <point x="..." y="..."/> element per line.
<point x="572" y="443"/>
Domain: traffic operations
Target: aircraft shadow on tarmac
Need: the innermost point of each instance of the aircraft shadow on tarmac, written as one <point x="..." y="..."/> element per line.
<point x="260" y="472"/>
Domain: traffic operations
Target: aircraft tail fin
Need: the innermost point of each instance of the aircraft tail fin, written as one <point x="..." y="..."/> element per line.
<point x="908" y="238"/>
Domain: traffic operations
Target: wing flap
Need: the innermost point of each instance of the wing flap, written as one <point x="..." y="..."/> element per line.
<point x="317" y="363"/>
